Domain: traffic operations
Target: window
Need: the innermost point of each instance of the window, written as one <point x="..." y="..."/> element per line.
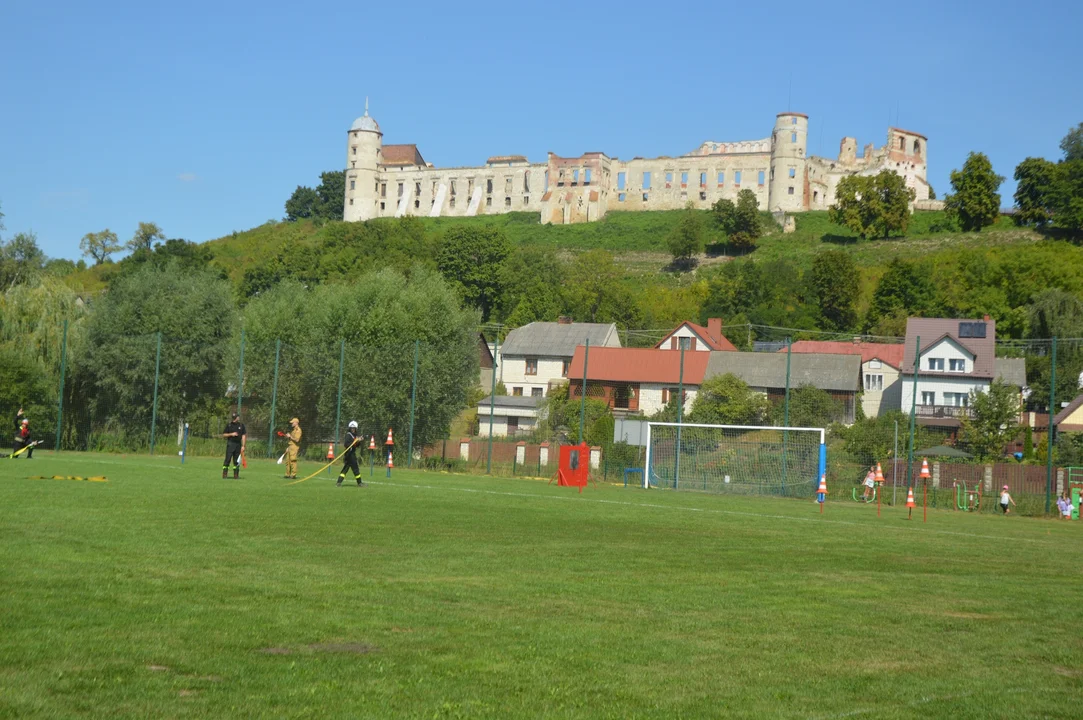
<point x="354" y="149"/>
<point x="669" y="178"/>
<point x="703" y="196"/>
<point x="936" y="363"/>
<point x="489" y="186"/>
<point x="535" y="392"/>
<point x="721" y="178"/>
<point x="620" y="197"/>
<point x="352" y="184"/>
<point x="793" y="121"/>
<point x="531" y="366"/>
<point x="417" y="188"/>
<point x="564" y="368"/>
<point x="400" y="190"/>
<point x="575" y="176"/>
<point x="620" y="180"/>
<point x="417" y="203"/>
<point x="793" y="172"/>
<point x="684" y="178"/>
<point x="789" y="190"/>
<point x="683" y="343"/>
<point x="703" y="179"/>
<point x="737" y="178"/>
<point x="957" y="365"/>
<point x="526" y="199"/>
<point x="513" y="423"/>
<point x="488" y="202"/>
<point x="351" y="201"/>
<point x="451" y="202"/>
<point x="815" y="196"/>
<point x="507" y="202"/>
<point x="383" y="190"/>
<point x="453" y="187"/>
<point x="644" y="197"/>
<point x="874" y="363"/>
<point x="957" y="399"/>
<point x="586" y="176"/>
<point x="526" y="182"/>
<point x="646" y="182"/>
<point x="917" y="147"/>
<point x="517" y="392"/>
<point x="928" y="398"/>
<point x="874" y="383"/>
<point x="383" y="205"/>
<point x="507" y="184"/>
<point x="902" y="143"/>
<point x="759" y="178"/>
<point x="793" y="137"/>
<point x="671" y="394"/>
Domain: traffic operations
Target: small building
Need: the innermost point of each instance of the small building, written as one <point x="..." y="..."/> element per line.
<point x="511" y="416"/>
<point x="838" y="375"/>
<point x="537" y="356"/>
<point x="637" y="380"/>
<point x="1070" y="419"/>
<point x="880" y="363"/>
<point x="690" y="336"/>
<point x="957" y="356"/>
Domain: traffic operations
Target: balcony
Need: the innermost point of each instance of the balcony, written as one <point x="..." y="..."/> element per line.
<point x="944" y="412"/>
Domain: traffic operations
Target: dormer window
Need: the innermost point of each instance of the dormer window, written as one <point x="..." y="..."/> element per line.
<point x="957" y="365"/>
<point x="936" y="364"/>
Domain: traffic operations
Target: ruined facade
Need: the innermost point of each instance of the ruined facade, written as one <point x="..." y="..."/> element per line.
<point x="395" y="180"/>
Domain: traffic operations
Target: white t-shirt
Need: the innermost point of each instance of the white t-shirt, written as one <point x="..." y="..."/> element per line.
<point x="1068" y="509"/>
<point x="870" y="480"/>
<point x="1005" y="497"/>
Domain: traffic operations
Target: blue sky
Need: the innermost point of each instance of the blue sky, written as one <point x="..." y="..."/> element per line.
<point x="203" y="117"/>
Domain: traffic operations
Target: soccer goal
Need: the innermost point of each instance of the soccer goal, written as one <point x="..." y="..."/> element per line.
<point x="740" y="459"/>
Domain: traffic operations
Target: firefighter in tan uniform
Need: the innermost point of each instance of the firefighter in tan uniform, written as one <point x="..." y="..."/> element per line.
<point x="294" y="446"/>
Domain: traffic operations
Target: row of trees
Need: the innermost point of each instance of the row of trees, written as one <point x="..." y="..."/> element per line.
<point x="1050" y="194"/>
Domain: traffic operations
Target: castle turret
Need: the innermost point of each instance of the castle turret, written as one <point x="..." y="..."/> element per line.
<point x="363" y="148"/>
<point x="788" y="163"/>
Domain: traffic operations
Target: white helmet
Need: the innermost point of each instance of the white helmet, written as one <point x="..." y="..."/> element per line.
<point x="352" y="425"/>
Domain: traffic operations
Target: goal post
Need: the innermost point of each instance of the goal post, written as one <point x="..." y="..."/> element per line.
<point x="740" y="459"/>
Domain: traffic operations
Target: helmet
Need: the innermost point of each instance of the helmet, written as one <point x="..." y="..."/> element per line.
<point x="25" y="421"/>
<point x="352" y="425"/>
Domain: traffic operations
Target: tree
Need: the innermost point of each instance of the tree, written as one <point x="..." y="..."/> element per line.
<point x="302" y="204"/>
<point x="809" y="407"/>
<point x="904" y="290"/>
<point x="685" y="240"/>
<point x="995" y="421"/>
<point x="326" y="202"/>
<point x="1072" y="144"/>
<point x="471" y="259"/>
<point x="727" y="400"/>
<point x="596" y="290"/>
<point x="1037" y="192"/>
<point x="974" y="202"/>
<point x="99" y="245"/>
<point x="741" y="221"/>
<point x="144" y="237"/>
<point x="531" y="280"/>
<point x="873" y="205"/>
<point x="836" y="283"/>
<point x="872" y="440"/>
<point x="20" y="259"/>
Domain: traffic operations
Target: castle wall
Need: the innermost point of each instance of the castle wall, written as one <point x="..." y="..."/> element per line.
<point x="701" y="180"/>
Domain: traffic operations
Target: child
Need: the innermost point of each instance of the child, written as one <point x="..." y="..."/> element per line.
<point x="1005" y="499"/>
<point x="1069" y="508"/>
<point x="870" y="483"/>
<point x="1061" y="504"/>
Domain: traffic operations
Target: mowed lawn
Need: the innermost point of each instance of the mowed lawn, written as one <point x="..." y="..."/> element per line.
<point x="168" y="592"/>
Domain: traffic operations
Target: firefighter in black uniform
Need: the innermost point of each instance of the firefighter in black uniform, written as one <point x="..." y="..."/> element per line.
<point x="349" y="457"/>
<point x="22" y="435"/>
<point x="235" y="435"/>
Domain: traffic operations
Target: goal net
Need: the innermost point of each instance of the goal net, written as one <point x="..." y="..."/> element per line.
<point x="735" y="458"/>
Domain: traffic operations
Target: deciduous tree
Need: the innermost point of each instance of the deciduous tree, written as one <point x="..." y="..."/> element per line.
<point x="145" y="236"/>
<point x="727" y="400"/>
<point x="686" y="239"/>
<point x="99" y="245"/>
<point x="20" y="259"/>
<point x="740" y="221"/>
<point x="873" y="205"/>
<point x="471" y="259"/>
<point x="995" y="421"/>
<point x="836" y="283"/>
<point x="974" y="202"/>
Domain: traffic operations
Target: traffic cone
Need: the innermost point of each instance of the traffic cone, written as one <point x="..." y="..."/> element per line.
<point x="372" y="442"/>
<point x="330" y="451"/>
<point x="910" y="504"/>
<point x="879" y="475"/>
<point x="390" y="460"/>
<point x="389" y="440"/>
<point x="821" y="492"/>
<point x="925" y="469"/>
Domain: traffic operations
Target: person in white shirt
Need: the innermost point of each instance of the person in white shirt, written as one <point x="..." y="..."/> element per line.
<point x="1005" y="499"/>
<point x="870" y="483"/>
<point x="1068" y="508"/>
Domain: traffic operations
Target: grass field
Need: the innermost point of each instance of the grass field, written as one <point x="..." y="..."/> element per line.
<point x="168" y="592"/>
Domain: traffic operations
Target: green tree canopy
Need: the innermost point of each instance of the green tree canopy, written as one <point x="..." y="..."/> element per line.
<point x="145" y="236"/>
<point x="836" y="282"/>
<point x="995" y="422"/>
<point x="686" y="239"/>
<point x="905" y="290"/>
<point x="471" y="259"/>
<point x="740" y="221"/>
<point x="727" y="400"/>
<point x="809" y="407"/>
<point x="21" y="259"/>
<point x="302" y="204"/>
<point x="873" y="205"/>
<point x="1072" y="144"/>
<point x="326" y="202"/>
<point x="974" y="202"/>
<point x="99" y="245"/>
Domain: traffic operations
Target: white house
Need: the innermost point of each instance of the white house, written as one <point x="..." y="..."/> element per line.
<point x="956" y="356"/>
<point x="638" y="380"/>
<point x="880" y="363"/>
<point x="690" y="336"/>
<point x="538" y="356"/>
<point x="511" y="416"/>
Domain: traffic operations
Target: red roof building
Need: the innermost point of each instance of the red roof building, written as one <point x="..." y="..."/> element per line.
<point x="889" y="354"/>
<point x="696" y="337"/>
<point x="636" y="379"/>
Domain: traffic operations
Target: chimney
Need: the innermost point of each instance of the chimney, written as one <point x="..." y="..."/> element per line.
<point x="714" y="328"/>
<point x="986" y="318"/>
<point x="564" y="320"/>
<point x="857" y="339"/>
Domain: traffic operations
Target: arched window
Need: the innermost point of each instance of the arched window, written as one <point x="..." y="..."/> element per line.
<point x="917" y="147"/>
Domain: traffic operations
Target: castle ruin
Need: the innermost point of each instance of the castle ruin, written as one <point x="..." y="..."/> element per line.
<point x="395" y="180"/>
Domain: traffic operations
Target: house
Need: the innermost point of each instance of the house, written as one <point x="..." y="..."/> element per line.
<point x="839" y="375"/>
<point x="537" y="356"/>
<point x="956" y="357"/>
<point x="690" y="336"/>
<point x="637" y="380"/>
<point x="1070" y="419"/>
<point x="880" y="364"/>
<point x="511" y="416"/>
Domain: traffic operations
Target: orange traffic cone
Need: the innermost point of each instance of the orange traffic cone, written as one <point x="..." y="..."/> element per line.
<point x="910" y="504"/>
<point x="389" y="440"/>
<point x="925" y="469"/>
<point x="821" y="492"/>
<point x="330" y="451"/>
<point x="372" y="442"/>
<point x="390" y="460"/>
<point x="879" y="475"/>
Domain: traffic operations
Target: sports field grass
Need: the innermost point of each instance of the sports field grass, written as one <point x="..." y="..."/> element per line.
<point x="168" y="592"/>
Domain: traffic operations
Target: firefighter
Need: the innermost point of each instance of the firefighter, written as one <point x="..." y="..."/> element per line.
<point x="236" y="436"/>
<point x="294" y="446"/>
<point x="349" y="456"/>
<point x="22" y="434"/>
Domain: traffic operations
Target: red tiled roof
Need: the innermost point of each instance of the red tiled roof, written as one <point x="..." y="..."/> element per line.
<point x="885" y="352"/>
<point x="643" y="365"/>
<point x="714" y="343"/>
<point x="401" y="155"/>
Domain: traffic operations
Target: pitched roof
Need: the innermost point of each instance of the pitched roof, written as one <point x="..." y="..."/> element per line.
<point x="839" y="373"/>
<point x="933" y="330"/>
<point x="1011" y="370"/>
<point x="641" y="365"/>
<point x="885" y="352"/>
<point x="550" y="339"/>
<point x="704" y="334"/>
<point x="1067" y="412"/>
<point x="401" y="155"/>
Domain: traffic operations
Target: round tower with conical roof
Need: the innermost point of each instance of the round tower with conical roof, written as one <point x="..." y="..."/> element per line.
<point x="788" y="163"/>
<point x="363" y="148"/>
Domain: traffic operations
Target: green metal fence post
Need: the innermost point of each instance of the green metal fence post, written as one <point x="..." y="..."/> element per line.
<point x="680" y="418"/>
<point x="240" y="378"/>
<point x="1050" y="428"/>
<point x="60" y="396"/>
<point x="913" y="413"/>
<point x="338" y="403"/>
<point x="154" y="408"/>
<point x="786" y="413"/>
<point x="583" y="391"/>
<point x="413" y="402"/>
<point x="492" y="405"/>
<point x="274" y="402"/>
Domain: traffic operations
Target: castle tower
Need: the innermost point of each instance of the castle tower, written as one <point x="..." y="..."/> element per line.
<point x="363" y="148"/>
<point x="788" y="163"/>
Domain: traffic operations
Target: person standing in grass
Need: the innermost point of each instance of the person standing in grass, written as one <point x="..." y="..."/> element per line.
<point x="293" y="448"/>
<point x="1005" y="499"/>
<point x="22" y="434"/>
<point x="1068" y="508"/>
<point x="235" y="435"/>
<point x="870" y="483"/>
<point x="349" y="455"/>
